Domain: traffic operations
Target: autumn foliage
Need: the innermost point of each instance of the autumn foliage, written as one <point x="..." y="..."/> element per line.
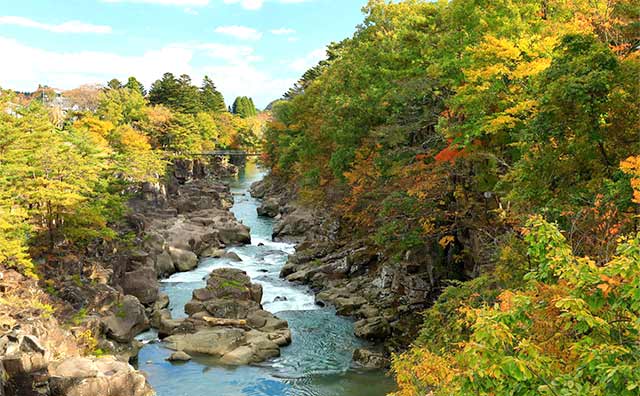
<point x="445" y="126"/>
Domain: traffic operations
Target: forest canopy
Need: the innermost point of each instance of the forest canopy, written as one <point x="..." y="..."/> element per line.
<point x="440" y="123"/>
<point x="69" y="161"/>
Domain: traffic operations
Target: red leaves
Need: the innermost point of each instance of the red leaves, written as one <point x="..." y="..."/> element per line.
<point x="450" y="153"/>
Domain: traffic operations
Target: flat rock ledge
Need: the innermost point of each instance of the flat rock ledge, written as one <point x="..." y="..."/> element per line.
<point x="226" y="320"/>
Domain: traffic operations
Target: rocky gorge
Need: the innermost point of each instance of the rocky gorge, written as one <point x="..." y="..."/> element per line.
<point x="385" y="295"/>
<point x="227" y="319"/>
<point x="115" y="296"/>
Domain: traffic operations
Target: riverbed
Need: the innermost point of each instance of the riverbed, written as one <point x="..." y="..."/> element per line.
<point x="318" y="361"/>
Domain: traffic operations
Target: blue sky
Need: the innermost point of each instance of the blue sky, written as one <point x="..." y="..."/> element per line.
<point x="257" y="48"/>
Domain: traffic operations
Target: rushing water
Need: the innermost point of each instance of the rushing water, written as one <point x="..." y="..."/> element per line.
<point x="317" y="363"/>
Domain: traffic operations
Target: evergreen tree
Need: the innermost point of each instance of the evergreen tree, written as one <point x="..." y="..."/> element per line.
<point x="165" y="91"/>
<point x="114" y="84"/>
<point x="244" y="107"/>
<point x="211" y="98"/>
<point x="178" y="94"/>
<point x="188" y="96"/>
<point x="135" y="85"/>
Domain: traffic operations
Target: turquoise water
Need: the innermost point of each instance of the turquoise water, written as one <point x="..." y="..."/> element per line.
<point x="317" y="363"/>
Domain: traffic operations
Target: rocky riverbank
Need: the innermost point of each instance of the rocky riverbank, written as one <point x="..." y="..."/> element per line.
<point x="79" y="336"/>
<point x="385" y="295"/>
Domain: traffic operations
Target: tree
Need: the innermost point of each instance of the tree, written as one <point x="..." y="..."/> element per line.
<point x="135" y="85"/>
<point x="48" y="172"/>
<point x="212" y="99"/>
<point x="121" y="106"/>
<point x="244" y="107"/>
<point x="570" y="330"/>
<point x="165" y="91"/>
<point x="189" y="96"/>
<point x="178" y="94"/>
<point x="114" y="84"/>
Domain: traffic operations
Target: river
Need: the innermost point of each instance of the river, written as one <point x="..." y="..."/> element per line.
<point x="317" y="363"/>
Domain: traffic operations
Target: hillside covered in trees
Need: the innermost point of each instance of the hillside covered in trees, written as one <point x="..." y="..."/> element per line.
<point x="69" y="165"/>
<point x="460" y="177"/>
<point x="504" y="136"/>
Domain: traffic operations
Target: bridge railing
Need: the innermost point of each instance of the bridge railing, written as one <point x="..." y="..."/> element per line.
<point x="240" y="153"/>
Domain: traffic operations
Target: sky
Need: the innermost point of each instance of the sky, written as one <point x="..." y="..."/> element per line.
<point x="255" y="48"/>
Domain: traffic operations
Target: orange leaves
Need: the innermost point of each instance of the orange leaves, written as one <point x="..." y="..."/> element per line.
<point x="631" y="166"/>
<point x="357" y="206"/>
<point x="450" y="154"/>
<point x="609" y="284"/>
<point x="506" y="300"/>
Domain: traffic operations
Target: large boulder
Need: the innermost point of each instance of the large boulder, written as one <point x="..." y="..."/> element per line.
<point x="227" y="321"/>
<point x="126" y="320"/>
<point x="164" y="264"/>
<point x="258" y="189"/>
<point x="371" y="359"/>
<point x="143" y="284"/>
<point x="23" y="365"/>
<point x="270" y="207"/>
<point x="183" y="260"/>
<point x="232" y="346"/>
<point x="229" y="283"/>
<point x="233" y="233"/>
<point x="372" y="328"/>
<point x="212" y="341"/>
<point x="294" y="225"/>
<point x="81" y="376"/>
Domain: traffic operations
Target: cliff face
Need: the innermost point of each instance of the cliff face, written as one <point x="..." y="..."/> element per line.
<point x="386" y="295"/>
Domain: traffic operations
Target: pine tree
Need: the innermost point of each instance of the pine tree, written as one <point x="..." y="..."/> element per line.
<point x="211" y="98"/>
<point x="135" y="85"/>
<point x="165" y="91"/>
<point x="114" y="84"/>
<point x="244" y="107"/>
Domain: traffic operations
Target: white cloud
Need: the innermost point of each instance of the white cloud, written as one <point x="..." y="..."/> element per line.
<point x="231" y="54"/>
<point x="231" y="67"/>
<point x="190" y="11"/>
<point x="28" y="66"/>
<point x="301" y="65"/>
<point x="163" y="2"/>
<point x="293" y="39"/>
<point x="257" y="4"/>
<point x="246" y="80"/>
<point x="247" y="4"/>
<point x="240" y="32"/>
<point x="282" y="31"/>
<point x="66" y="27"/>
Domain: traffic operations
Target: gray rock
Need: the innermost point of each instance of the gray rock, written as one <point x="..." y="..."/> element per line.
<point x="161" y="303"/>
<point x="349" y="305"/>
<point x="184" y="260"/>
<point x="371" y="359"/>
<point x="127" y="319"/>
<point x="234" y="233"/>
<point x="213" y="341"/>
<point x="179" y="356"/>
<point x="294" y="225"/>
<point x="270" y="207"/>
<point x="164" y="264"/>
<point x="143" y="284"/>
<point x="232" y="256"/>
<point x="372" y="328"/>
<point x="96" y="376"/>
<point x="212" y="252"/>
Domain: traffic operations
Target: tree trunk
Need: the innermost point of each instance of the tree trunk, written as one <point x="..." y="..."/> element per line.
<point x="224" y="322"/>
